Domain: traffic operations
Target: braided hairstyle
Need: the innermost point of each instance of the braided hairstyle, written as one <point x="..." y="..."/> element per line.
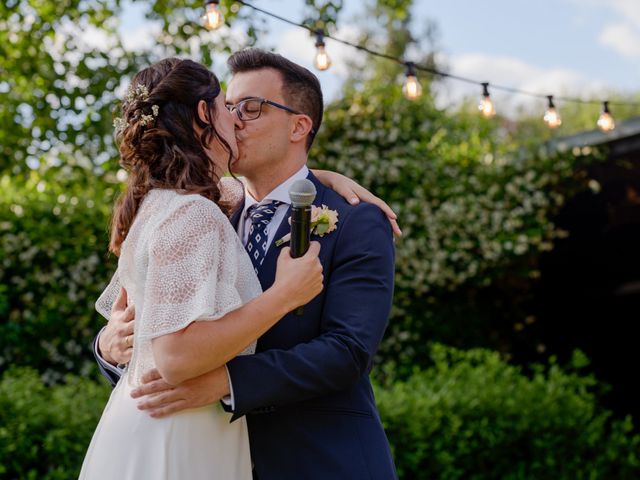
<point x="158" y="144"/>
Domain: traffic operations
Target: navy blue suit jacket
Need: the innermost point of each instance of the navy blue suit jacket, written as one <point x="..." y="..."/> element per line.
<point x="306" y="392"/>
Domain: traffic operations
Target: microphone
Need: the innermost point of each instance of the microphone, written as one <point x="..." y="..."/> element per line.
<point x="302" y="194"/>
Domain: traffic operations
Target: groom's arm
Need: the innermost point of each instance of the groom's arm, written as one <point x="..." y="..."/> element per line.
<point x="356" y="308"/>
<point x="110" y="347"/>
<point x="111" y="372"/>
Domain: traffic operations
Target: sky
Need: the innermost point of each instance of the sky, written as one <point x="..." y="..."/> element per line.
<point x="571" y="47"/>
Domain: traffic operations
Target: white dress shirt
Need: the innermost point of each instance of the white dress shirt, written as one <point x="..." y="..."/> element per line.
<point x="281" y="194"/>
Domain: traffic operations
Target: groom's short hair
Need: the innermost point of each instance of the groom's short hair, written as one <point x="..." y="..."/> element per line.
<point x="300" y="88"/>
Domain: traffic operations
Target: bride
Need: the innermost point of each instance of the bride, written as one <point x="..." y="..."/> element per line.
<point x="198" y="301"/>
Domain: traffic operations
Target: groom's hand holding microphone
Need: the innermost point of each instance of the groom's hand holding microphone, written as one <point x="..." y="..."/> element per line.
<point x="302" y="194"/>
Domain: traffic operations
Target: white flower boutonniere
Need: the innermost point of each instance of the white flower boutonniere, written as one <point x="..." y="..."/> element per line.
<point x="323" y="221"/>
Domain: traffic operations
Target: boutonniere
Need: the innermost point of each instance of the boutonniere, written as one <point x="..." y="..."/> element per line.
<point x="323" y="221"/>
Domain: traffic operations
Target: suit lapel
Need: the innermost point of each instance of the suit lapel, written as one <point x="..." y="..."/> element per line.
<point x="267" y="272"/>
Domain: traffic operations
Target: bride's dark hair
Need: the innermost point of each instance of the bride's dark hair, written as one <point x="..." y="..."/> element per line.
<point x="158" y="144"/>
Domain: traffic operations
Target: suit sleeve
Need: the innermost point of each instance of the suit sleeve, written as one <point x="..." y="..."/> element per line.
<point x="110" y="372"/>
<point x="356" y="307"/>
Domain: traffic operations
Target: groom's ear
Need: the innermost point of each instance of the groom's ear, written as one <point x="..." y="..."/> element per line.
<point x="300" y="128"/>
<point x="204" y="112"/>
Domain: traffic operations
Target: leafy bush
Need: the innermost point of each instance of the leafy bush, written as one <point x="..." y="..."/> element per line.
<point x="45" y="432"/>
<point x="475" y="210"/>
<point x="474" y="416"/>
<point x="470" y="416"/>
<point x="53" y="253"/>
<point x="470" y="212"/>
<point x="475" y="217"/>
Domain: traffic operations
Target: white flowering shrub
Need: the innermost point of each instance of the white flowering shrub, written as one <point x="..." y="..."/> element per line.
<point x="474" y="210"/>
<point x="53" y="265"/>
<point x="475" y="219"/>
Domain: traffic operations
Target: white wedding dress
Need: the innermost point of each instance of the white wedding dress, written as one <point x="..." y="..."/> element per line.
<point x="181" y="262"/>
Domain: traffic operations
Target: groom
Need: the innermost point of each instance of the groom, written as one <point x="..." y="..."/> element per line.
<point x="306" y="392"/>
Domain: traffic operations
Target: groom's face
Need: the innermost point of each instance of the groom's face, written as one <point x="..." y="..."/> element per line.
<point x="262" y="142"/>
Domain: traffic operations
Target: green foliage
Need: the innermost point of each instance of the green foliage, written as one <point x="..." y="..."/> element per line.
<point x="59" y="83"/>
<point x="45" y="432"/>
<point x="391" y="33"/>
<point x="53" y="252"/>
<point x="474" y="416"/>
<point x="470" y="416"/>
<point x="474" y="209"/>
<point x="476" y="213"/>
<point x="63" y="63"/>
<point x="182" y="34"/>
<point x="323" y="14"/>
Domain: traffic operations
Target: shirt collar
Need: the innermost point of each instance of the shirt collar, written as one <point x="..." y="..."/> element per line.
<point x="280" y="193"/>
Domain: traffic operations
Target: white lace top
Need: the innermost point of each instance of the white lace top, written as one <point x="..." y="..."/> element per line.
<point x="182" y="261"/>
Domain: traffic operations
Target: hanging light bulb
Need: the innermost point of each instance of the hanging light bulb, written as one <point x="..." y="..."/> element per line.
<point x="485" y="106"/>
<point x="411" y="88"/>
<point x="322" y="60"/>
<point x="605" y="122"/>
<point x="212" y="18"/>
<point x="551" y="116"/>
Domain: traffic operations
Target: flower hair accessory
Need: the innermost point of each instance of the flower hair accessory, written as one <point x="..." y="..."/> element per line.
<point x="147" y="119"/>
<point x="323" y="221"/>
<point x="137" y="93"/>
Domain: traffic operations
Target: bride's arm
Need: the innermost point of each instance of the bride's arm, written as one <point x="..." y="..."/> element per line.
<point x="205" y="345"/>
<point x="354" y="193"/>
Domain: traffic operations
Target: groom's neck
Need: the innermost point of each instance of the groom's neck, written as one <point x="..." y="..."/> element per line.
<point x="259" y="186"/>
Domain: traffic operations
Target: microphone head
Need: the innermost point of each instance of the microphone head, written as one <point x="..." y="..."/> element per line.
<point x="302" y="193"/>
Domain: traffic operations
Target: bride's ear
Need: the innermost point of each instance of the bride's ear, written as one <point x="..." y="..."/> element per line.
<point x="204" y="112"/>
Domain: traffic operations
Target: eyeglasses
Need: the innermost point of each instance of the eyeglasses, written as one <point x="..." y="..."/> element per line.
<point x="251" y="108"/>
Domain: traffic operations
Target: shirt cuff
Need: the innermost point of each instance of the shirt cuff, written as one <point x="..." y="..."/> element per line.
<point x="117" y="369"/>
<point x="228" y="400"/>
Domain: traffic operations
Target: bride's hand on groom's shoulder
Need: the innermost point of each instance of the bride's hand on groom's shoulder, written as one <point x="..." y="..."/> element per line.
<point x="161" y="399"/>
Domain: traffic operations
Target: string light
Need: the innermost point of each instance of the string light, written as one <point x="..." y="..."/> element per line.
<point x="551" y="116"/>
<point x="322" y="60"/>
<point x="411" y="88"/>
<point x="411" y="85"/>
<point x="212" y="18"/>
<point x="605" y="122"/>
<point x="486" y="106"/>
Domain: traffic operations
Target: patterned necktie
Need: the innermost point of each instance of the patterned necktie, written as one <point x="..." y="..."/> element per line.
<point x="260" y="216"/>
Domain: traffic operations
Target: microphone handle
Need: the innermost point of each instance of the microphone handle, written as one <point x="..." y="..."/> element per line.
<point x="300" y="235"/>
<point x="300" y="230"/>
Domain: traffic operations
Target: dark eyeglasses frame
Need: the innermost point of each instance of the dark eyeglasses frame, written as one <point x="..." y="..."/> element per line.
<point x="232" y="107"/>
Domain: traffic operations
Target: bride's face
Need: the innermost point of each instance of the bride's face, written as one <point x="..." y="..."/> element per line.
<point x="224" y="125"/>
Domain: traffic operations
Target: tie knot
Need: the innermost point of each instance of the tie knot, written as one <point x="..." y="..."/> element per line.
<point x="262" y="213"/>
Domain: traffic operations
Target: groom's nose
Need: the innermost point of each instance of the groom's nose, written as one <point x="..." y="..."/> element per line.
<point x="237" y="123"/>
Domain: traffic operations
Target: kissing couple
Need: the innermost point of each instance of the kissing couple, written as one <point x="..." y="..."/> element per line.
<point x="216" y="377"/>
